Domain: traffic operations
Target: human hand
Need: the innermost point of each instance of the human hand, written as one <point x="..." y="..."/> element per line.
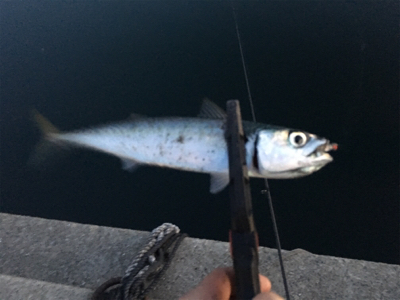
<point x="219" y="285"/>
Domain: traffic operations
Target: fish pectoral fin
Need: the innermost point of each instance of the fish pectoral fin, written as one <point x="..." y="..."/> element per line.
<point x="129" y="164"/>
<point x="210" y="110"/>
<point x="218" y="182"/>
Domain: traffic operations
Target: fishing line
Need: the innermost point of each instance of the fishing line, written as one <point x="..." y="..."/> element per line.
<point x="266" y="192"/>
<point x="244" y="65"/>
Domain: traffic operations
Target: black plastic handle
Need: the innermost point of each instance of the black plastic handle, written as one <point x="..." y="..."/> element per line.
<point x="244" y="239"/>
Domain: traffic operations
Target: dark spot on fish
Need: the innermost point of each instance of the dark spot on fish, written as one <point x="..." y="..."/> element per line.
<point x="203" y="159"/>
<point x="161" y="149"/>
<point x="180" y="139"/>
<point x="212" y="151"/>
<point x="255" y="154"/>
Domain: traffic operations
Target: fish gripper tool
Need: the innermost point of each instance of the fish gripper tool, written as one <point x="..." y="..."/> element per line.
<point x="146" y="268"/>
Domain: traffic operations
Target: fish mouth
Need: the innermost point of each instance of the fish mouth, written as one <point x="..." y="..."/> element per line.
<point x="320" y="153"/>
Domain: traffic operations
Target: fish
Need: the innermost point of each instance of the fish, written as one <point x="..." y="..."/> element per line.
<point x="196" y="144"/>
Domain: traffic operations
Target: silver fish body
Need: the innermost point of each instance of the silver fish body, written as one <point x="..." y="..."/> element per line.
<point x="198" y="145"/>
<point x="190" y="144"/>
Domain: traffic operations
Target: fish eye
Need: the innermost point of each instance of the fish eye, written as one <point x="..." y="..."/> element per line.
<point x="297" y="139"/>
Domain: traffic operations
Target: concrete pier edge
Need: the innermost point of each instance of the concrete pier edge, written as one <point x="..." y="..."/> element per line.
<point x="50" y="259"/>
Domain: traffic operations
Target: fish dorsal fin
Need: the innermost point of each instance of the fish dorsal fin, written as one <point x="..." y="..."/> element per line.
<point x="218" y="182"/>
<point x="210" y="110"/>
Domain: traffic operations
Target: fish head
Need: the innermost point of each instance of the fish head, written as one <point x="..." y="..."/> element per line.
<point x="287" y="153"/>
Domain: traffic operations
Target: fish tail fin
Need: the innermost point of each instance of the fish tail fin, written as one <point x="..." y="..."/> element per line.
<point x="45" y="126"/>
<point x="47" y="149"/>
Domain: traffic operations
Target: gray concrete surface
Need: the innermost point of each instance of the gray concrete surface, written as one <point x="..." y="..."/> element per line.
<point x="49" y="259"/>
<point x="22" y="288"/>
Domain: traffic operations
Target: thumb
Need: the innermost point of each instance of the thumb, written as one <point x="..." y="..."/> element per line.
<point x="268" y="296"/>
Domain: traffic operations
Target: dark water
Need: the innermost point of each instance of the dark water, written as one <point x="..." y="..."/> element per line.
<point x="328" y="68"/>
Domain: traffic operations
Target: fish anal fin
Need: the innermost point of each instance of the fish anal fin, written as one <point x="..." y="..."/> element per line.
<point x="218" y="182"/>
<point x="129" y="164"/>
<point x="210" y="110"/>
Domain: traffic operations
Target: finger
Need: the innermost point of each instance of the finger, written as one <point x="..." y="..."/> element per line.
<point x="265" y="284"/>
<point x="216" y="285"/>
<point x="219" y="284"/>
<point x="268" y="296"/>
